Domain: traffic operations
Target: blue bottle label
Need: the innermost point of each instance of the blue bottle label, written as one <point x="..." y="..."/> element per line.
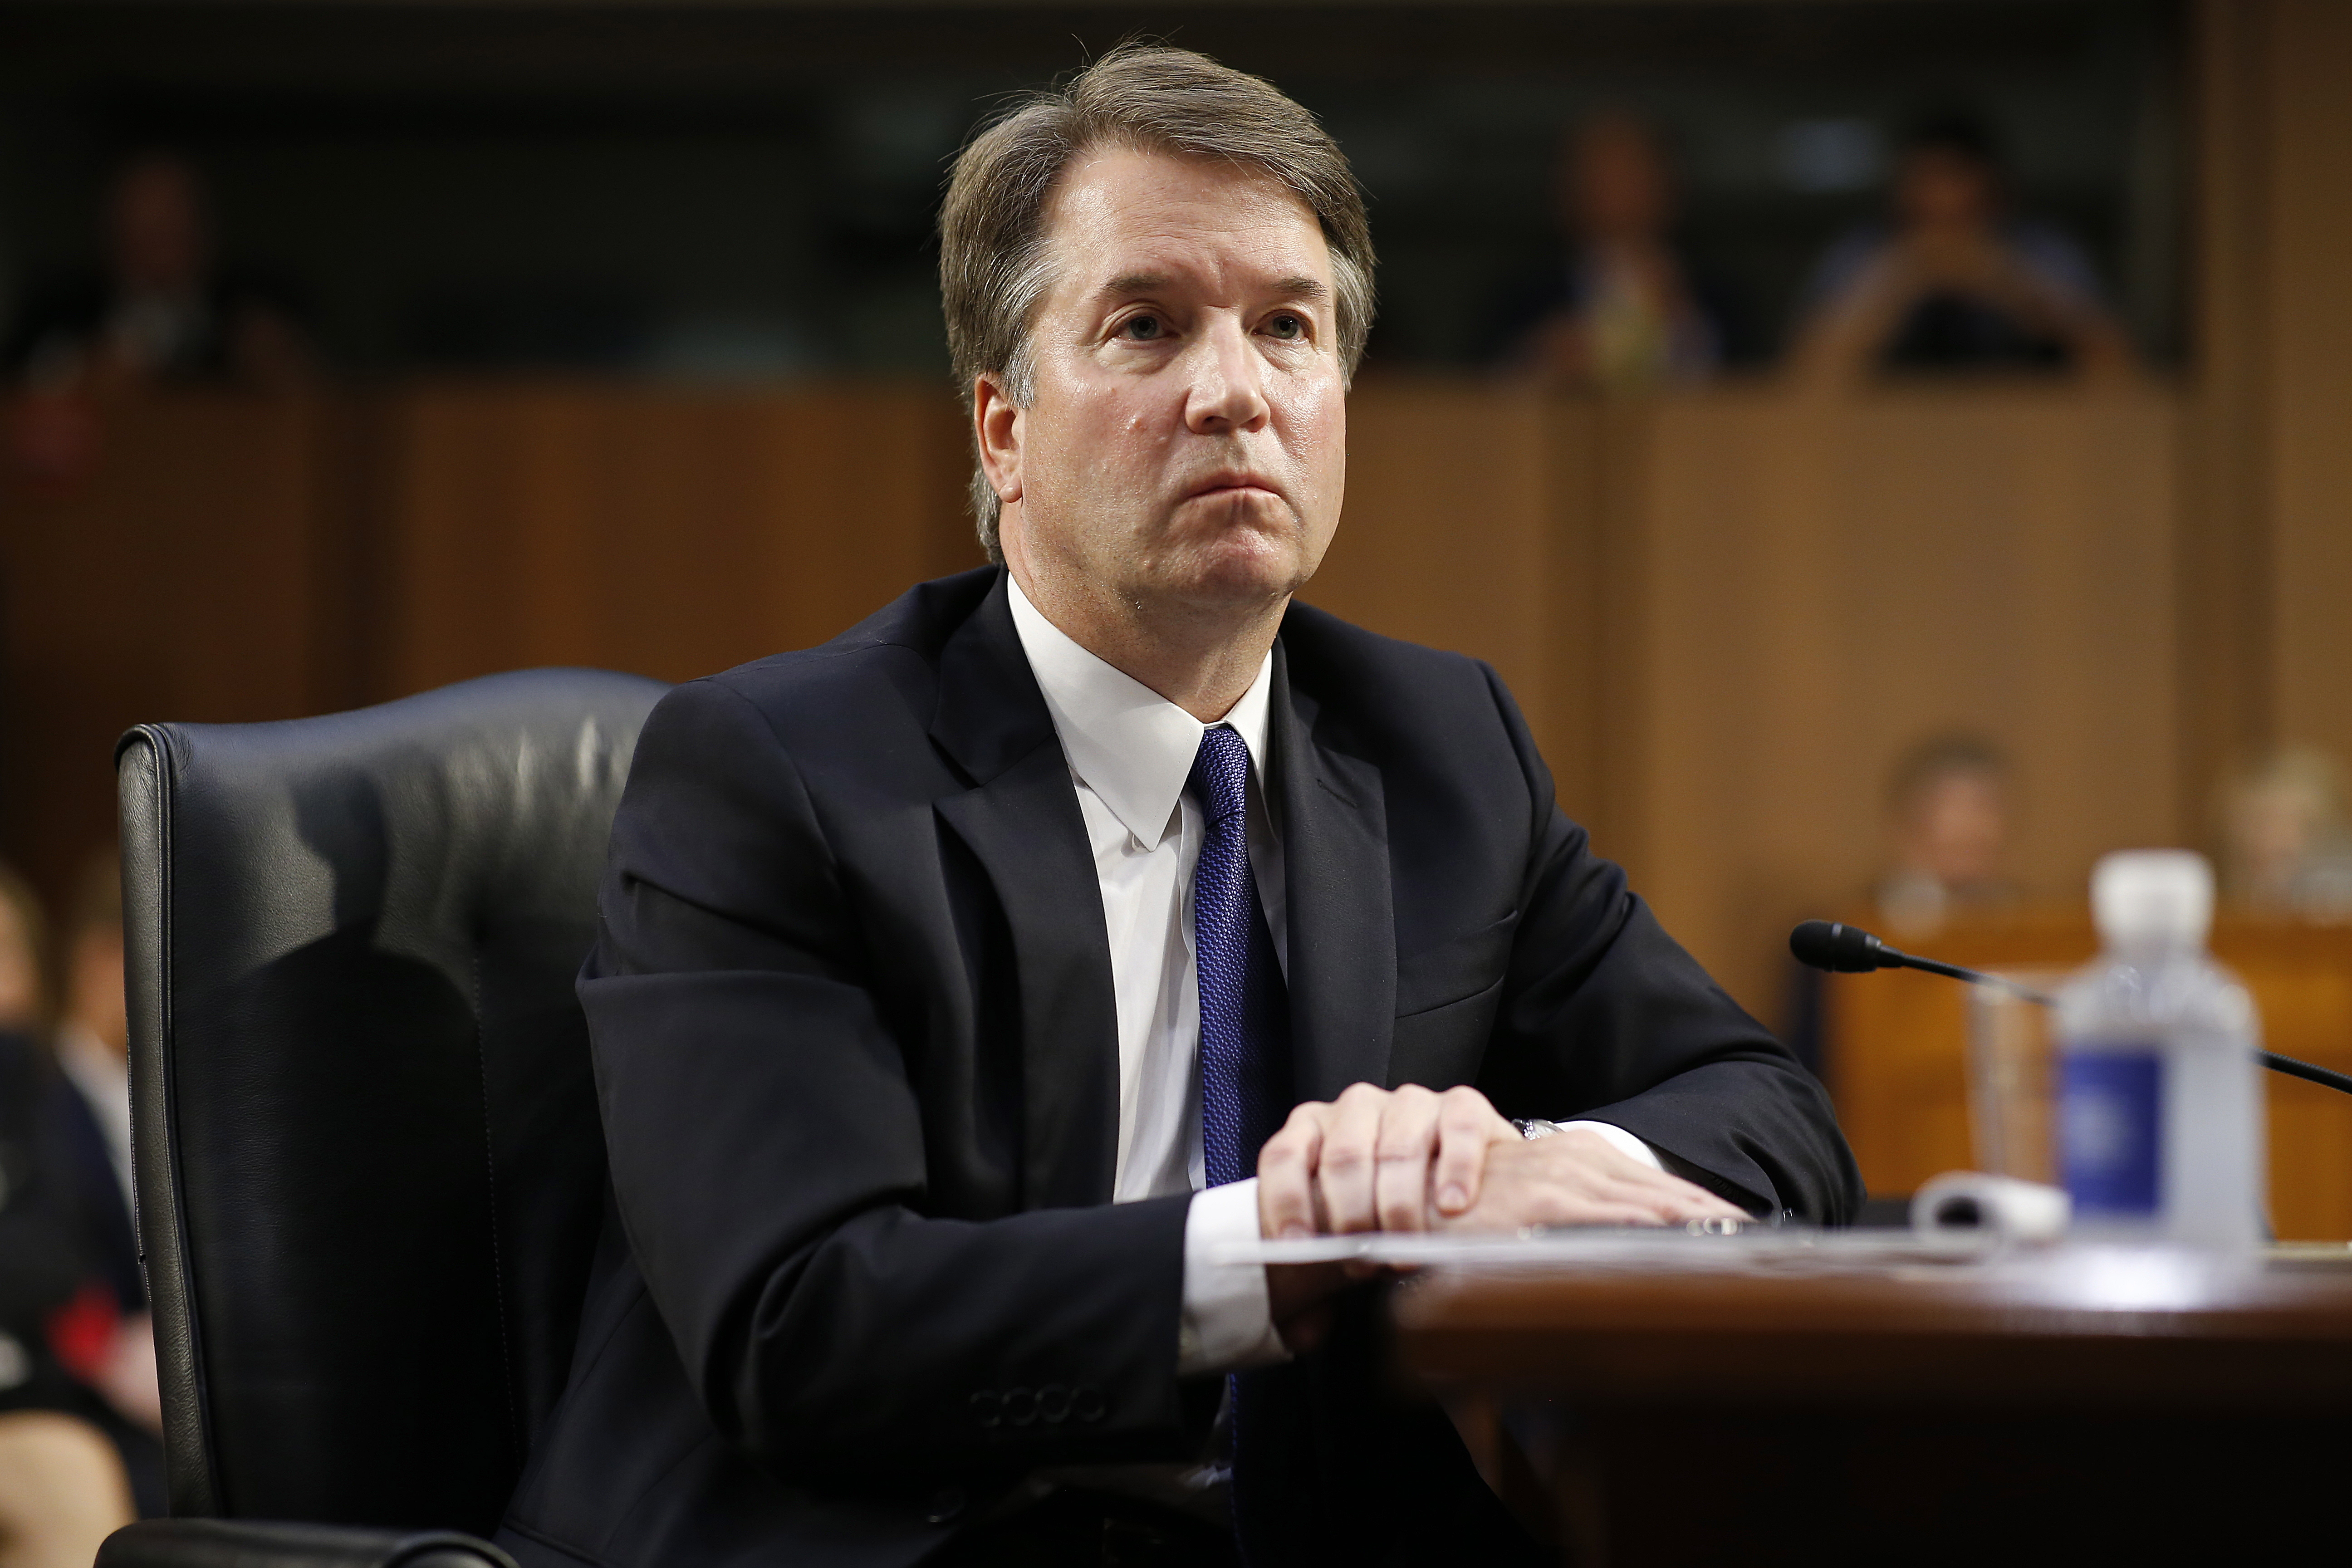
<point x="2111" y="1126"/>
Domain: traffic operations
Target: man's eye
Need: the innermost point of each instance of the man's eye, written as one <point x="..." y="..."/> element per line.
<point x="1286" y="326"/>
<point x="1142" y="329"/>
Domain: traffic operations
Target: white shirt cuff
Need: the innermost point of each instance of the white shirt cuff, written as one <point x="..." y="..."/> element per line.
<point x="1226" y="1324"/>
<point x="1625" y="1143"/>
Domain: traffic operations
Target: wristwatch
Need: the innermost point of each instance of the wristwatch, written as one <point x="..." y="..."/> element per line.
<point x="1535" y="1127"/>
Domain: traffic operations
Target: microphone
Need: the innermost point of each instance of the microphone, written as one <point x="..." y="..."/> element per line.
<point x="1849" y="949"/>
<point x="1840" y="949"/>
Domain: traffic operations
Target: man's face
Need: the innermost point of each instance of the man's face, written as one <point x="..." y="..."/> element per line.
<point x="1958" y="828"/>
<point x="1616" y="185"/>
<point x="1185" y="443"/>
<point x="157" y="226"/>
<point x="1943" y="188"/>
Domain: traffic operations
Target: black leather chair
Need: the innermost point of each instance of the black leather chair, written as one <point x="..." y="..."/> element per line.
<point x="369" y="1166"/>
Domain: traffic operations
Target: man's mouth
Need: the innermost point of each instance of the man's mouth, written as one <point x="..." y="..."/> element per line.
<point x="1230" y="483"/>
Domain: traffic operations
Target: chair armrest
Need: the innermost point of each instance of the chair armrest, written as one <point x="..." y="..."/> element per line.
<point x="271" y="1543"/>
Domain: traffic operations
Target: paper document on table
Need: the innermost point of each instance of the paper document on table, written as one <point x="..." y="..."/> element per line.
<point x="1703" y="1245"/>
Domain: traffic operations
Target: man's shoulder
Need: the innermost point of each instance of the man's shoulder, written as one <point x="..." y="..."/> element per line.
<point x="898" y="649"/>
<point x="1335" y="660"/>
<point x="866" y="694"/>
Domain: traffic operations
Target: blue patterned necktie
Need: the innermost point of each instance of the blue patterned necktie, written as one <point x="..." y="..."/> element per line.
<point x="1245" y="1086"/>
<point x="1246" y="1081"/>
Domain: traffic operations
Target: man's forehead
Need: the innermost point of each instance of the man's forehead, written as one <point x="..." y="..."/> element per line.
<point x="1131" y="214"/>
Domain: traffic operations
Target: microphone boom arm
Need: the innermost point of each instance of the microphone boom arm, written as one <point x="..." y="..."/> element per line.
<point x="1845" y="949"/>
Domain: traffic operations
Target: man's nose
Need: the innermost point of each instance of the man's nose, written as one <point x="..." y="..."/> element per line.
<point x="1228" y="390"/>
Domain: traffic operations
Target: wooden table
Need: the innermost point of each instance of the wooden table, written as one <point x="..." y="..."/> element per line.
<point x="2107" y="1408"/>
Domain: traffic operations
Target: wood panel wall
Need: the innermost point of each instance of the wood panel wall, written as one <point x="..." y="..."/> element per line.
<point x="1727" y="613"/>
<point x="1724" y="613"/>
<point x="203" y="570"/>
<point x="1828" y="582"/>
<point x="1471" y="524"/>
<point x="2266" y="648"/>
<point x="667" y="533"/>
<point x="2309" y="297"/>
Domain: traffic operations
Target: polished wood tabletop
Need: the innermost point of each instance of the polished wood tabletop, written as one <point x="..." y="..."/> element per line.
<point x="2059" y="1408"/>
<point x="2091" y="1326"/>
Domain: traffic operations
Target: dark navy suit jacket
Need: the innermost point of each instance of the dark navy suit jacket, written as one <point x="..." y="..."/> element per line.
<point x="855" y="1047"/>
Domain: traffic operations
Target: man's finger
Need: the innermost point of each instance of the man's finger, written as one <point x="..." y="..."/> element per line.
<point x="1467" y="1123"/>
<point x="1407" y="1134"/>
<point x="1285" y="1173"/>
<point x="1344" y="1166"/>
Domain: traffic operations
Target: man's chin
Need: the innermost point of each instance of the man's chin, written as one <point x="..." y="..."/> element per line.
<point x="1245" y="561"/>
<point x="1231" y="574"/>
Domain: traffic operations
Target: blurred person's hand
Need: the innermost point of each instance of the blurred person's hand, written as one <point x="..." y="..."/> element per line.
<point x="1843" y="342"/>
<point x="127" y="1376"/>
<point x="1964" y="261"/>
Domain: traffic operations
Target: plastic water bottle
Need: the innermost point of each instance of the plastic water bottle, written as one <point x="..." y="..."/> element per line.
<point x="2160" y="1112"/>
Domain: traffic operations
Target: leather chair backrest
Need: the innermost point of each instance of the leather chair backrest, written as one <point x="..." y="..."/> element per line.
<point x="368" y="1165"/>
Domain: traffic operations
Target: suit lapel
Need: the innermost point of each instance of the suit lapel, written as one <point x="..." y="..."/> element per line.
<point x="1342" y="926"/>
<point x="1021" y="821"/>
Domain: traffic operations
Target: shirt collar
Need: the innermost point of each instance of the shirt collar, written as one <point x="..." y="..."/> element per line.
<point x="1128" y="743"/>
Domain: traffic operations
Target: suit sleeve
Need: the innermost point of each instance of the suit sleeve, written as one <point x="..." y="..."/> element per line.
<point x="1604" y="1016"/>
<point x="768" y="1158"/>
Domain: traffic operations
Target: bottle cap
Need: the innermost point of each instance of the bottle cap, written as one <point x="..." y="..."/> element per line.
<point x="2146" y="896"/>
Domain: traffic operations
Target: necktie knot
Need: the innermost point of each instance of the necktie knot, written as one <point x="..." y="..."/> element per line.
<point x="1220" y="775"/>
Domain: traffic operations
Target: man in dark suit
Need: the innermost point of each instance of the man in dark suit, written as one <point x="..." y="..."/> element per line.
<point x="956" y="976"/>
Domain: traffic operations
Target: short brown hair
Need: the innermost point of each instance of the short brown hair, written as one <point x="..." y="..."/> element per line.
<point x="1154" y="99"/>
<point x="1929" y="763"/>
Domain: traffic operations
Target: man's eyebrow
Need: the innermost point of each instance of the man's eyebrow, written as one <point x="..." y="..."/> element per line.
<point x="1129" y="284"/>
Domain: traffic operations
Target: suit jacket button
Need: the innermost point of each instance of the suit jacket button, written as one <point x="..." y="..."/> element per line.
<point x="987" y="1409"/>
<point x="943" y="1505"/>
<point x="1088" y="1403"/>
<point x="1053" y="1402"/>
<point x="1020" y="1405"/>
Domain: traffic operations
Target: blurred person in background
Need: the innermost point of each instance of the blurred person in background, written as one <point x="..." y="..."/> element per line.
<point x="160" y="310"/>
<point x="1618" y="308"/>
<point x="161" y="307"/>
<point x="2288" y="847"/>
<point x="64" y="1484"/>
<point x="1953" y="281"/>
<point x="23" y="960"/>
<point x="107" y="1338"/>
<point x="1947" y="822"/>
<point x="1948" y="830"/>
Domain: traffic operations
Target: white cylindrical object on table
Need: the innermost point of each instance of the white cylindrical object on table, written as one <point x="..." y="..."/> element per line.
<point x="1976" y="1201"/>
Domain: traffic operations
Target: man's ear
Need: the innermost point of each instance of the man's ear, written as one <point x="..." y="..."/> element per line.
<point x="997" y="421"/>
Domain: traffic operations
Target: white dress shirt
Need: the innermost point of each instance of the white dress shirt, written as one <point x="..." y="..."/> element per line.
<point x="1130" y="752"/>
